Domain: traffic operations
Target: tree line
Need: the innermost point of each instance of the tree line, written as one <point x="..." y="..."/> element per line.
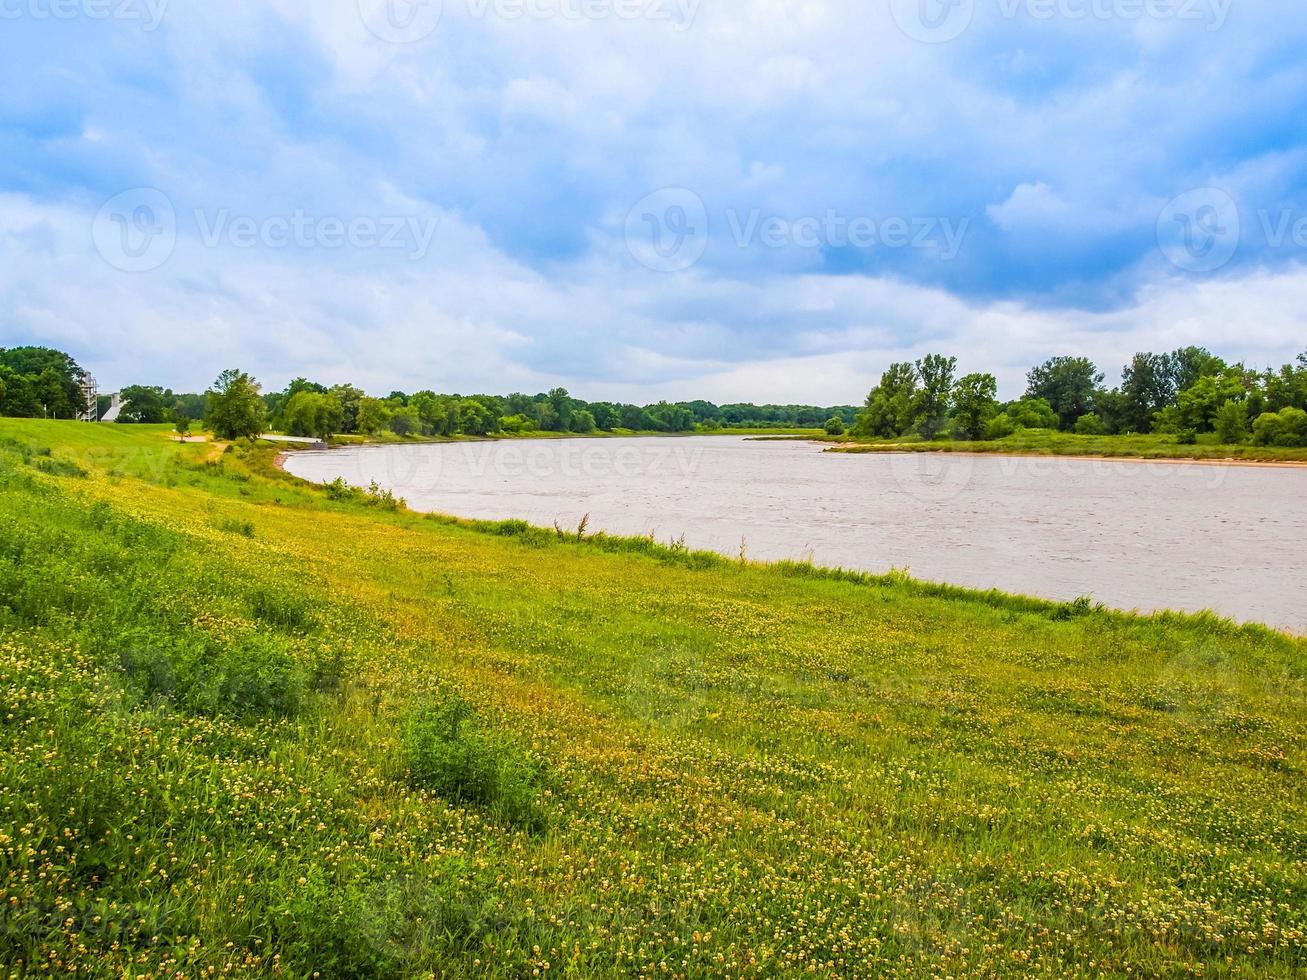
<point x="37" y="382"/>
<point x="308" y="408"/>
<point x="1184" y="393"/>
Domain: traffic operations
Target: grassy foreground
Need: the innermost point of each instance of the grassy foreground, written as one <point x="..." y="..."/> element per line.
<point x="251" y="730"/>
<point x="1042" y="442"/>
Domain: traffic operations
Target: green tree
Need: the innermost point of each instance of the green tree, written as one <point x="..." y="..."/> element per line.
<point x="141" y="404"/>
<point x="1199" y="403"/>
<point x="405" y="421"/>
<point x="311" y="413"/>
<point x="974" y="404"/>
<point x="1090" y="424"/>
<point x="476" y="418"/>
<point x="1032" y="413"/>
<point x="1232" y="422"/>
<point x="1147" y="386"/>
<point x="888" y="411"/>
<point x="930" y="407"/>
<point x="515" y="424"/>
<point x="583" y="421"/>
<point x="834" y="426"/>
<point x="668" y="417"/>
<point x="371" y="416"/>
<point x="233" y="408"/>
<point x="1287" y="427"/>
<point x="636" y="418"/>
<point x="351" y="402"/>
<point x="1188" y="364"/>
<point x="607" y="416"/>
<point x="182" y="426"/>
<point x="561" y="404"/>
<point x="1068" y="384"/>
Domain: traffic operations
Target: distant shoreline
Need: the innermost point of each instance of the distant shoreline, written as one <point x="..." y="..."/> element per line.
<point x="903" y="450"/>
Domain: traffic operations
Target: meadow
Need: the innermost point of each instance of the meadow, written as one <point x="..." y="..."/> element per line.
<point x="252" y="727"/>
<point x="1047" y="442"/>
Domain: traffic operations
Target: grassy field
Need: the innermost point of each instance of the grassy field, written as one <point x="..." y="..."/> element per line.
<point x="249" y="729"/>
<point x="1043" y="442"/>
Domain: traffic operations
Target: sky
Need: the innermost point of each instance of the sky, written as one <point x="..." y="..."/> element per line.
<point x="765" y="200"/>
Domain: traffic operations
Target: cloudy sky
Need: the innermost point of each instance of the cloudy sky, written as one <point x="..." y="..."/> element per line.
<point x="637" y="199"/>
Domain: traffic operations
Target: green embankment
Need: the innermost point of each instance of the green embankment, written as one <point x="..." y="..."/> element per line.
<point x="252" y="729"/>
<point x="1042" y="442"/>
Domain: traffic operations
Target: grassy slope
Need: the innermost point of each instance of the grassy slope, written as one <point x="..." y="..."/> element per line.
<point x="750" y="770"/>
<point x="1046" y="443"/>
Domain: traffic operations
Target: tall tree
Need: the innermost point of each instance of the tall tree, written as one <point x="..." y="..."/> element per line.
<point x="1188" y="364"/>
<point x="889" y="406"/>
<point x="1148" y="385"/>
<point x="234" y="408"/>
<point x="974" y="404"/>
<point x="1068" y="384"/>
<point x="142" y="404"/>
<point x="931" y="405"/>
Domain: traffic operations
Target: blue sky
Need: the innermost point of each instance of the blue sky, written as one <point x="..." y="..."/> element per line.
<point x="637" y="199"/>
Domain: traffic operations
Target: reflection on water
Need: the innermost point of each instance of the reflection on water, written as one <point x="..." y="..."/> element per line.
<point x="1132" y="535"/>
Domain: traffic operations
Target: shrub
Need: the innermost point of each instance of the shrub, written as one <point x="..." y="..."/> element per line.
<point x="1232" y="422"/>
<point x="1000" y="427"/>
<point x="445" y="750"/>
<point x="835" y="426"/>
<point x="1284" y="428"/>
<point x="1090" y="425"/>
<point x="340" y="491"/>
<point x="1187" y="437"/>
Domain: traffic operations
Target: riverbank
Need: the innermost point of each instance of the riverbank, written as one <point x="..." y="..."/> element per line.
<point x="697" y="762"/>
<point x="1121" y="448"/>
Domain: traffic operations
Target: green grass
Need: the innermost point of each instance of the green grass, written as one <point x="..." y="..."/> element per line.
<point x="1043" y="442"/>
<point x="252" y="729"/>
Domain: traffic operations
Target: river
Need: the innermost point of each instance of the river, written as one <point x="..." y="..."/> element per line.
<point x="1144" y="536"/>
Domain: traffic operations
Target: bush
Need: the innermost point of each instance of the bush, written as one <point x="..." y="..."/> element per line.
<point x="1232" y="423"/>
<point x="1187" y="437"/>
<point x="445" y="751"/>
<point x="835" y="426"/>
<point x="1000" y="427"/>
<point x="1284" y="428"/>
<point x="1090" y="425"/>
<point x="1032" y="413"/>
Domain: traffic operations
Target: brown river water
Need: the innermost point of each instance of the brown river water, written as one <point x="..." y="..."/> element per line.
<point x="1144" y="536"/>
